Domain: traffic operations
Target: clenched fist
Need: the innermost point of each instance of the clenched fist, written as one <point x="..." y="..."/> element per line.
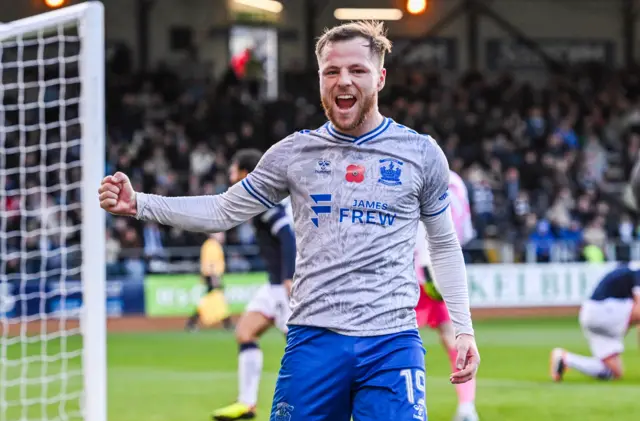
<point x="117" y="195"/>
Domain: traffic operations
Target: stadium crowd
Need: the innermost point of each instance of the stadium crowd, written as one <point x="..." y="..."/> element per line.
<point x="542" y="164"/>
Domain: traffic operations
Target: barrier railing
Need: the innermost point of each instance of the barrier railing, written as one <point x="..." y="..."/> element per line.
<point x="246" y="258"/>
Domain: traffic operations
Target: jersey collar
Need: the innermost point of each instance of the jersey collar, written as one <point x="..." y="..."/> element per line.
<point x="359" y="140"/>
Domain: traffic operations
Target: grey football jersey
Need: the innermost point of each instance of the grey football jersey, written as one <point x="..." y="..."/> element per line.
<point x="356" y="204"/>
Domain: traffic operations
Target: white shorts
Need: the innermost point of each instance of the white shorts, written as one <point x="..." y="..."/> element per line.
<point x="605" y="324"/>
<point x="273" y="302"/>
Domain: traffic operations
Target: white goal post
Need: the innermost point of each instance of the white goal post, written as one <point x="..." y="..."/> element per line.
<point x="52" y="230"/>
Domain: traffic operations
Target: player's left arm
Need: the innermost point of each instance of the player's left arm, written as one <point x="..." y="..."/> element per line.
<point x="447" y="260"/>
<point x="444" y="248"/>
<point x="449" y="271"/>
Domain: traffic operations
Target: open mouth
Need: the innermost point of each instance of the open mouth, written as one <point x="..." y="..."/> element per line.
<point x="345" y="102"/>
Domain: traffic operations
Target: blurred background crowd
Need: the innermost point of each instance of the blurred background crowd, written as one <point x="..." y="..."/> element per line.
<point x="545" y="164"/>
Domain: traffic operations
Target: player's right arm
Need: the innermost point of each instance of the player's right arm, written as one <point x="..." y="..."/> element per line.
<point x="260" y="190"/>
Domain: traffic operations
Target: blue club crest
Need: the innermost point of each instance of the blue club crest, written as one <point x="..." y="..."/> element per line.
<point x="390" y="171"/>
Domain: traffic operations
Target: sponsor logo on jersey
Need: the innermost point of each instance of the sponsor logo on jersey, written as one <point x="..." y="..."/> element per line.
<point x="323" y="167"/>
<point x="323" y="206"/>
<point x="367" y="212"/>
<point x="361" y="211"/>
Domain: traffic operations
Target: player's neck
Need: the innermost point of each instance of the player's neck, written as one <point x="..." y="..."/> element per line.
<point x="373" y="120"/>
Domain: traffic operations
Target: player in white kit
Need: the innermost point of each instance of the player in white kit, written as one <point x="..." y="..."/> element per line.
<point x="605" y="318"/>
<point x="359" y="185"/>
<point x="431" y="309"/>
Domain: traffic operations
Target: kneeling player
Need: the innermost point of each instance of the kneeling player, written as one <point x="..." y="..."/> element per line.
<point x="431" y="309"/>
<point x="605" y="318"/>
<point x="270" y="305"/>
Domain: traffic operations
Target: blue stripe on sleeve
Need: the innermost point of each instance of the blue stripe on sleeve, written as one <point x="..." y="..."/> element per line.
<point x="252" y="192"/>
<point x="271" y="204"/>
<point x="437" y="213"/>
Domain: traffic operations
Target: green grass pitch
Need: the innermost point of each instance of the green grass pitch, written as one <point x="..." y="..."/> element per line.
<point x="183" y="376"/>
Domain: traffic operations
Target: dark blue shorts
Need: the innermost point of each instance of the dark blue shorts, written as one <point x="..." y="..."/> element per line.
<point x="330" y="377"/>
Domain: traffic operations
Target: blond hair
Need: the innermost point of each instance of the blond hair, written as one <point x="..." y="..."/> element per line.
<point x="374" y="32"/>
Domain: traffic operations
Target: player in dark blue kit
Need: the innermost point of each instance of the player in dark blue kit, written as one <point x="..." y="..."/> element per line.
<point x="270" y="305"/>
<point x="605" y="318"/>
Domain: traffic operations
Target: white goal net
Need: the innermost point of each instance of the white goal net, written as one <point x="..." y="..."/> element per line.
<point x="52" y="317"/>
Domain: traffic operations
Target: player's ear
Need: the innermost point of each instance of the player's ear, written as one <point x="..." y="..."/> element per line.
<point x="382" y="78"/>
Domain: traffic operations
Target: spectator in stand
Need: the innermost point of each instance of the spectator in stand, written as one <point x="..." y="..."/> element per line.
<point x="113" y="255"/>
<point x="542" y="239"/>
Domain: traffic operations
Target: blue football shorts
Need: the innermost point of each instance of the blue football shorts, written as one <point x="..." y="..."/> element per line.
<point x="325" y="376"/>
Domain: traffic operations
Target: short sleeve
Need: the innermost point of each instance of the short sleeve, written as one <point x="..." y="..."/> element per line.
<point x="268" y="182"/>
<point x="434" y="197"/>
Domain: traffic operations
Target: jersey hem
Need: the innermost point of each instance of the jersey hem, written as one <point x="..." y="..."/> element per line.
<point x="363" y="333"/>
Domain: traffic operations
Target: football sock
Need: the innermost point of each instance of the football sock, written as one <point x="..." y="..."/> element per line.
<point x="591" y="366"/>
<point x="249" y="371"/>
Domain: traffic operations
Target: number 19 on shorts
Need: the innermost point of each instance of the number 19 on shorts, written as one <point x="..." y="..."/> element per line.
<point x="416" y="391"/>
